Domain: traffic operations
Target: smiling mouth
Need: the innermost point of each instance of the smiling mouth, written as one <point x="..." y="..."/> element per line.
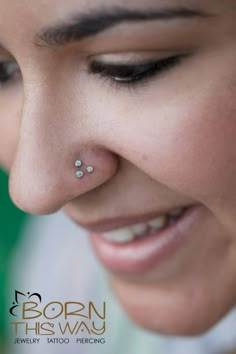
<point x="142" y="230"/>
<point x="140" y="247"/>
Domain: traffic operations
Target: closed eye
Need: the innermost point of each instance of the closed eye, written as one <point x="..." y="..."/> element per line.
<point x="123" y="74"/>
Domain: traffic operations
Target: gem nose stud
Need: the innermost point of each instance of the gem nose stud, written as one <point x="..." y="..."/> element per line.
<point x="78" y="163"/>
<point x="89" y="169"/>
<point x="80" y="173"/>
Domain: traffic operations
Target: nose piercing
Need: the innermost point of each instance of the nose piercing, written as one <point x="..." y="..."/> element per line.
<point x="78" y="163"/>
<point x="80" y="173"/>
<point x="90" y="169"/>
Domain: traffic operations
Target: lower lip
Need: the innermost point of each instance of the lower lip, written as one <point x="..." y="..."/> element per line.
<point x="142" y="255"/>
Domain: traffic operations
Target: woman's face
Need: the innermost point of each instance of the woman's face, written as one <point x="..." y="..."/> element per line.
<point x="145" y="93"/>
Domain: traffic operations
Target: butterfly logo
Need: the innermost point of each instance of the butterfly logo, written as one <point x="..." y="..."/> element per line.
<point x="20" y="298"/>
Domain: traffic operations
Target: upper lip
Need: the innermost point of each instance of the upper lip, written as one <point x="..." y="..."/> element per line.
<point x="105" y="225"/>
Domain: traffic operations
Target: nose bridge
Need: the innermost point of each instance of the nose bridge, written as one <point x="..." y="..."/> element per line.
<point x="43" y="128"/>
<point x="52" y="137"/>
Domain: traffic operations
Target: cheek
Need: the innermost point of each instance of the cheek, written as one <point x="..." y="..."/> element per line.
<point x="197" y="154"/>
<point x="201" y="152"/>
<point x="188" y="144"/>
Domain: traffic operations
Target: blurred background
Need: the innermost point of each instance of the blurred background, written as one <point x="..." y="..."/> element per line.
<point x="11" y="223"/>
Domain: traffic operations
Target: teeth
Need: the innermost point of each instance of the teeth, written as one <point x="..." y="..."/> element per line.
<point x="158" y="223"/>
<point x="128" y="234"/>
<point x="139" y="229"/>
<point x="119" y="236"/>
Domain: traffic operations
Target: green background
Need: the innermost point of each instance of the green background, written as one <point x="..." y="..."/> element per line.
<point x="11" y="222"/>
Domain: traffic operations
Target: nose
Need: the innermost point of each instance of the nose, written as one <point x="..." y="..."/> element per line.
<point x="52" y="138"/>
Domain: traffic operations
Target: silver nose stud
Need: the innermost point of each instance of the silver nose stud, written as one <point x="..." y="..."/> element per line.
<point x="78" y="163"/>
<point x="80" y="173"/>
<point x="90" y="169"/>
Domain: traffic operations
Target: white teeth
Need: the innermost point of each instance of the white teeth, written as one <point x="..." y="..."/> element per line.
<point x="139" y="229"/>
<point x="119" y="236"/>
<point x="158" y="223"/>
<point x="128" y="234"/>
<point x="177" y="212"/>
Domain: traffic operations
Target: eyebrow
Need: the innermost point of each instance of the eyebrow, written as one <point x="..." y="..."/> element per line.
<point x="81" y="26"/>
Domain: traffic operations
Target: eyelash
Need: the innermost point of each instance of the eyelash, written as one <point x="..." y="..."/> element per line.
<point x="9" y="71"/>
<point x="133" y="75"/>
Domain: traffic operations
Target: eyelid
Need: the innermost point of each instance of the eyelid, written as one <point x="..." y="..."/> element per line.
<point x="133" y="58"/>
<point x="96" y="66"/>
<point x="153" y="68"/>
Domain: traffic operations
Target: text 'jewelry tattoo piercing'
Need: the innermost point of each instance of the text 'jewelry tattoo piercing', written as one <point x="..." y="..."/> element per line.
<point x="80" y="173"/>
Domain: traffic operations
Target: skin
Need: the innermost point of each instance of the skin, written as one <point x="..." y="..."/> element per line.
<point x="165" y="143"/>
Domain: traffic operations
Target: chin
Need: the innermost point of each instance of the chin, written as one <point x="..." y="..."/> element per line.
<point x="178" y="313"/>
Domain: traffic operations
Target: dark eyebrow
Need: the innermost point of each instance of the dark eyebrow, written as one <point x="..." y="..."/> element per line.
<point x="85" y="25"/>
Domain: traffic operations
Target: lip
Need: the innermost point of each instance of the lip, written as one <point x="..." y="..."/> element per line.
<point x="142" y="255"/>
<point x="111" y="224"/>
